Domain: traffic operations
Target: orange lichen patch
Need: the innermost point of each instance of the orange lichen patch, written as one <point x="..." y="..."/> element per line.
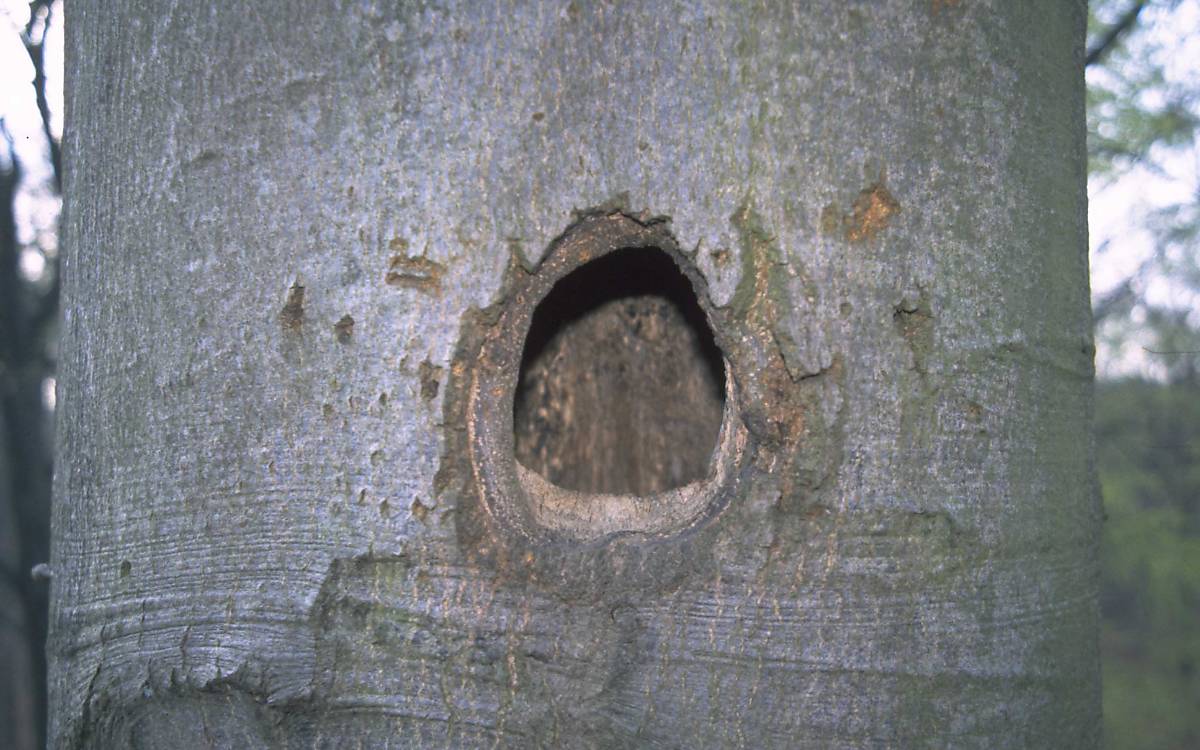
<point x="418" y="273"/>
<point x="873" y="210"/>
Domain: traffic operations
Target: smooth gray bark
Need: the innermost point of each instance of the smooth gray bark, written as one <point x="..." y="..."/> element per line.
<point x="279" y="218"/>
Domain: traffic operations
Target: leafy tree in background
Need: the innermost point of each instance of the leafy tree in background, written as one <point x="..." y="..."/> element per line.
<point x="1143" y="123"/>
<point x="1148" y="449"/>
<point x="1143" y="115"/>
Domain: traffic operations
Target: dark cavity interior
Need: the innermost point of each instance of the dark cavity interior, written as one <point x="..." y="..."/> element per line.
<point x="622" y="387"/>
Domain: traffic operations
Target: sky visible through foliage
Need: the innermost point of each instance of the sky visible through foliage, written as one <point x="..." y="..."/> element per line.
<point x="1144" y="189"/>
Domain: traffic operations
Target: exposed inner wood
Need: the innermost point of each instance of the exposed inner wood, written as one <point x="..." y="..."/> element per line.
<point x="622" y="386"/>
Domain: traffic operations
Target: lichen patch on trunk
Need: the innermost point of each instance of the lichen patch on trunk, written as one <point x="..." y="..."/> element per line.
<point x="871" y="213"/>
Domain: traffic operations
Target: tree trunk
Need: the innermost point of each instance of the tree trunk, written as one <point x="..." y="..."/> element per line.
<point x="317" y="489"/>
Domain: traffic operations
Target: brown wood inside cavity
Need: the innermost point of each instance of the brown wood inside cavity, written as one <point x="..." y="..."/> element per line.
<point x="622" y="387"/>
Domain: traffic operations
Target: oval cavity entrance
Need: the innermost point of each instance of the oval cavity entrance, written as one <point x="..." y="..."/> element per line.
<point x="621" y="387"/>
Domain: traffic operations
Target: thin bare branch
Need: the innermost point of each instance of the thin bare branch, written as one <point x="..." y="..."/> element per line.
<point x="1106" y="42"/>
<point x="35" y="47"/>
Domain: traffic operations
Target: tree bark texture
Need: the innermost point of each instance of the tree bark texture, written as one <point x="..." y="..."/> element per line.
<point x="298" y="237"/>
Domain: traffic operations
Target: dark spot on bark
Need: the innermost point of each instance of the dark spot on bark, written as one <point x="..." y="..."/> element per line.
<point x="344" y="329"/>
<point x="291" y="317"/>
<point x="418" y="273"/>
<point x="539" y="116"/>
<point x="126" y="568"/>
<point x="376" y="457"/>
<point x="383" y="399"/>
<point x="720" y="257"/>
<point x="831" y="219"/>
<point x="327" y="410"/>
<point x="845" y="309"/>
<point x="974" y="411"/>
<point x="429" y="375"/>
<point x="202" y="159"/>
<point x="384" y="508"/>
<point x="362" y="496"/>
<point x="419" y="510"/>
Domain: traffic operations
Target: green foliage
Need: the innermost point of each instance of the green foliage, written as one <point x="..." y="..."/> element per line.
<point x="1130" y="111"/>
<point x="1148" y="452"/>
<point x="1132" y="105"/>
<point x="1148" y="434"/>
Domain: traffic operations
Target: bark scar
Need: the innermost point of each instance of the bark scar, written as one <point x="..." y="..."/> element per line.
<point x="418" y="273"/>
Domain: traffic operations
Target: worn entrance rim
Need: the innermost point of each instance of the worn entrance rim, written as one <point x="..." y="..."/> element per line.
<point x="517" y="500"/>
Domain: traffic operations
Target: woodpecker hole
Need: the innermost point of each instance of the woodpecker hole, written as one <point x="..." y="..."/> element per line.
<point x="621" y="388"/>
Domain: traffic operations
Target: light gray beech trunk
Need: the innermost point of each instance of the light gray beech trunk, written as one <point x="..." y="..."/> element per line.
<point x="303" y="246"/>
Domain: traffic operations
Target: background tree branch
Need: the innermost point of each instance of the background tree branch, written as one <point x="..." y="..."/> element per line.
<point x="1106" y="42"/>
